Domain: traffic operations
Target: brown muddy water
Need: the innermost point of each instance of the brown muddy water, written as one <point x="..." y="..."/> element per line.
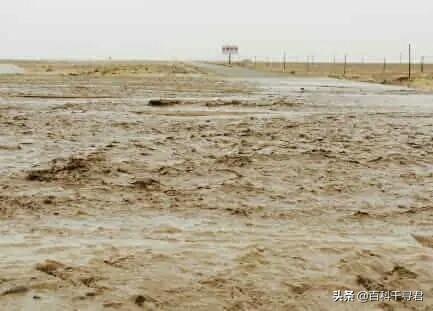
<point x="251" y="193"/>
<point x="10" y="69"/>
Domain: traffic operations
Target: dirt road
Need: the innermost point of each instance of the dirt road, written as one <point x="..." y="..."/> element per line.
<point x="244" y="192"/>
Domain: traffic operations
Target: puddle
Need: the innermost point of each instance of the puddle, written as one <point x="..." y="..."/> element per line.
<point x="10" y="69"/>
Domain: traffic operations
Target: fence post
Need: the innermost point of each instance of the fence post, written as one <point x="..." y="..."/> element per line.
<point x="384" y="65"/>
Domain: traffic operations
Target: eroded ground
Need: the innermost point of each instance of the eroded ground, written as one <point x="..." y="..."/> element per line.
<point x="247" y="193"/>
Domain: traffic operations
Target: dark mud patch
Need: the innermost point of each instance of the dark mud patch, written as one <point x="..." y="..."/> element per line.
<point x="164" y="102"/>
<point x="73" y="168"/>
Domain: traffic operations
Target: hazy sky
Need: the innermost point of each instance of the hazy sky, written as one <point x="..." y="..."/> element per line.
<point x="186" y="29"/>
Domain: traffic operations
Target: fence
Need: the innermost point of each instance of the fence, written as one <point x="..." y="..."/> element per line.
<point x="345" y="65"/>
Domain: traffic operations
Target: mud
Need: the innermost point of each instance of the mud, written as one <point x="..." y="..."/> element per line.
<point x="244" y="192"/>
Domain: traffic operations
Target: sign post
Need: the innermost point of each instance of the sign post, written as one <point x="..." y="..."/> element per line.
<point x="230" y="50"/>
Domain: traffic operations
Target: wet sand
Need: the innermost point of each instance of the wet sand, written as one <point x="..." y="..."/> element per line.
<point x="250" y="192"/>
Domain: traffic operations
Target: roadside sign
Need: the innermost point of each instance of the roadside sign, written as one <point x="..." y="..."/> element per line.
<point x="230" y="50"/>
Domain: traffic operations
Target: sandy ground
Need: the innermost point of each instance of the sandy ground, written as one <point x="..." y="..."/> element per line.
<point x="246" y="191"/>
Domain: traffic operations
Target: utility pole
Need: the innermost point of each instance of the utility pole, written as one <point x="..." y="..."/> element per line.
<point x="345" y="65"/>
<point x="334" y="62"/>
<point x="410" y="62"/>
<point x="284" y="62"/>
<point x="422" y="64"/>
<point x="384" y="64"/>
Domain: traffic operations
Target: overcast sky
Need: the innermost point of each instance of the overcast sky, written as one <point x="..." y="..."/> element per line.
<point x="196" y="29"/>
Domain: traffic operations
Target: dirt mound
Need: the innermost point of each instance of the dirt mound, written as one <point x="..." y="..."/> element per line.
<point x="234" y="160"/>
<point x="73" y="168"/>
<point x="164" y="102"/>
<point x="283" y="102"/>
<point x="219" y="103"/>
<point x="424" y="241"/>
<point x="77" y="276"/>
<point x="146" y="183"/>
<point x="401" y="79"/>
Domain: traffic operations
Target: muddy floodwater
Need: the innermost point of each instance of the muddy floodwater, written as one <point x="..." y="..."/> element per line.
<point x="10" y="69"/>
<point x="238" y="191"/>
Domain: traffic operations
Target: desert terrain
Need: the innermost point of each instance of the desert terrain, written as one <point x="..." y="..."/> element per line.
<point x="193" y="186"/>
